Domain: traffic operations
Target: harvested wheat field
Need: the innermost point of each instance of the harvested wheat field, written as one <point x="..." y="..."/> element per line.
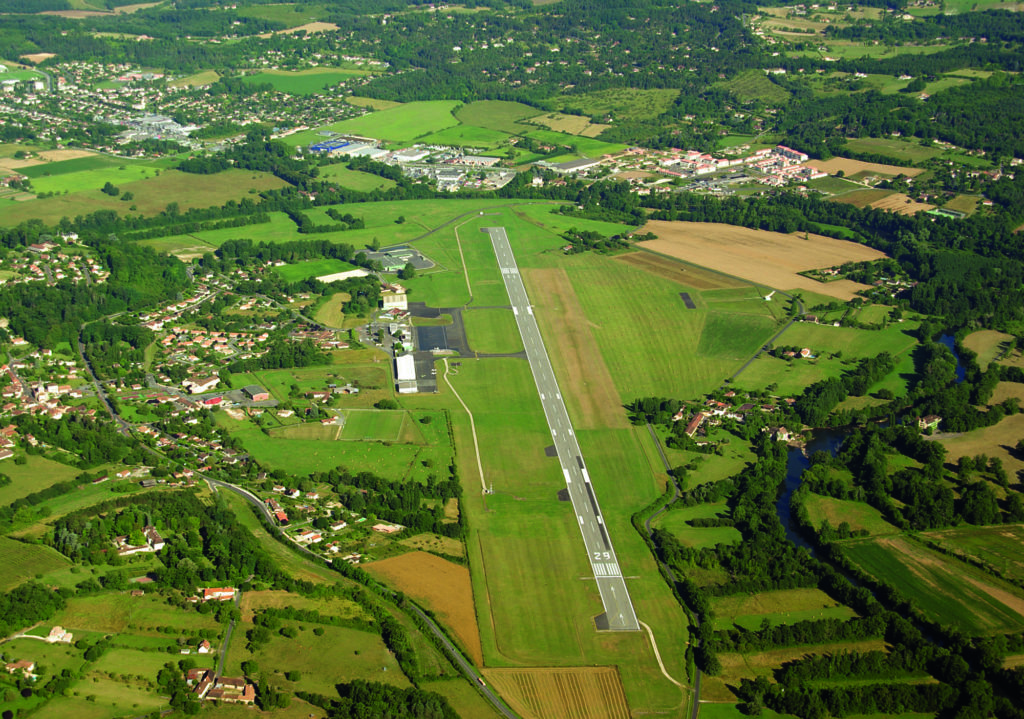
<point x="591" y="394"/>
<point x="562" y="693"/>
<point x="677" y="271"/>
<point x="570" y="124"/>
<point x="37" y="57"/>
<point x="58" y="155"/>
<point x="898" y="202"/>
<point x="442" y="586"/>
<point x="769" y="259"/>
<point x="309" y="27"/>
<point x="852" y="167"/>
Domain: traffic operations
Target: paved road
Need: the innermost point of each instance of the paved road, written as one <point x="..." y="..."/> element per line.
<point x="619" y="613"/>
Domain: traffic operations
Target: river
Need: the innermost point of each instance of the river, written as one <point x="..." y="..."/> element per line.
<point x="950" y="342"/>
<point x="796" y="462"/>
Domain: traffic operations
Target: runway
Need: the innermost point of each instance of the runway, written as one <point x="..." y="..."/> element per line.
<point x="619" y="614"/>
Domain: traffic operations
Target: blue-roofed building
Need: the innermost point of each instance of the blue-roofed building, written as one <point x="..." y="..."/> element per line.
<point x="329" y="145"/>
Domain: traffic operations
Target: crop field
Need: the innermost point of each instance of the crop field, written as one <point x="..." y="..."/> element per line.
<point x="20" y="562"/>
<point x="783" y="606"/>
<point x="330" y="313"/>
<point x="764" y="664"/>
<point x="306" y="82"/>
<point x="624" y="103"/>
<point x="754" y="85"/>
<point x="899" y="203"/>
<point x="1002" y="548"/>
<point x="492" y="331"/>
<point x="852" y="167"/>
<point x="859" y="515"/>
<point x="354" y="179"/>
<point x="987" y="344"/>
<point x="441" y="586"/>
<point x="949" y="592"/>
<point x="498" y="115"/>
<point x="551" y="693"/>
<point x="401" y="124"/>
<point x="767" y="259"/>
<point x="311" y="268"/>
<point x="371" y="103"/>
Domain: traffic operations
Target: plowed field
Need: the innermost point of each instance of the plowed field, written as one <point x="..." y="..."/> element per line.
<point x="562" y="693"/>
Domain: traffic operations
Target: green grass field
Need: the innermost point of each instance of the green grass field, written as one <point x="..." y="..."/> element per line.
<point x="305" y="82"/>
<point x="401" y="124"/>
<point x="492" y="331"/>
<point x="859" y="515"/>
<point x="467" y="136"/>
<point x="497" y="115"/>
<point x="355" y="180"/>
<point x="676" y="520"/>
<point x="374" y="424"/>
<point x="785" y="606"/>
<point x="37" y="474"/>
<point x="900" y="150"/>
<point x="583" y="146"/>
<point x="124" y="614"/>
<point x="20" y="562"/>
<point x="311" y="268"/>
<point x="947" y="591"/>
<point x="290" y="15"/>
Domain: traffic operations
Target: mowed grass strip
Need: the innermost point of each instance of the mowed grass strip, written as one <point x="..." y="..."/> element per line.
<point x="947" y="591"/>
<point x="20" y="562"/>
<point x="784" y="606"/>
<point x="492" y="331"/>
<point x="311" y="268"/>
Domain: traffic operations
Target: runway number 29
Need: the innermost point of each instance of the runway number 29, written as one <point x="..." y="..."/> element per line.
<point x="607" y="555"/>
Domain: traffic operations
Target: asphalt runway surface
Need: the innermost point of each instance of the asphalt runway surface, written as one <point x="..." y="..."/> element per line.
<point x="619" y="613"/>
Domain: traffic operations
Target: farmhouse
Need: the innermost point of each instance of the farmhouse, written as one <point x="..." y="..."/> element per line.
<point x="695" y="423"/>
<point x="222" y="594"/>
<point x="58" y="635"/>
<point x="929" y="421"/>
<point x="26" y="667"/>
<point x="387" y="528"/>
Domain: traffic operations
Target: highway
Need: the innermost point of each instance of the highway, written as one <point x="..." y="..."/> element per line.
<point x="619" y="612"/>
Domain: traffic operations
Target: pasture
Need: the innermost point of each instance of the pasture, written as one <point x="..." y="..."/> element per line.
<point x="583" y="146"/>
<point x="37" y="474"/>
<point x="995" y="441"/>
<point x="20" y="562"/>
<point x="859" y="515"/>
<point x="199" y="79"/>
<point x="950" y="592"/>
<point x="987" y="344"/>
<point x="124" y="614"/>
<point x="900" y="150"/>
<point x="254" y="601"/>
<point x="439" y="585"/>
<point x="1002" y="548"/>
<point x="467" y="136"/>
<point x="569" y="124"/>
<point x="766" y="259"/>
<point x="492" y="331"/>
<point x="153" y="189"/>
<point x="350" y="654"/>
<point x="782" y="606"/>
